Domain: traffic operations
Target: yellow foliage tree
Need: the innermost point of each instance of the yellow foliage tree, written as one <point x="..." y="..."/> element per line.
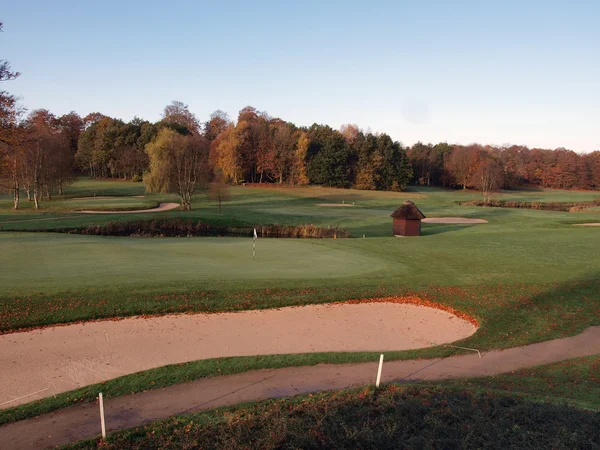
<point x="226" y="155"/>
<point x="178" y="164"/>
<point x="299" y="169"/>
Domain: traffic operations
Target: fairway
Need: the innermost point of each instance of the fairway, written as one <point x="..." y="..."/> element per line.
<point x="67" y="277"/>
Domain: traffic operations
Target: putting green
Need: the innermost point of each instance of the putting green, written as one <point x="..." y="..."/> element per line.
<point x="71" y="262"/>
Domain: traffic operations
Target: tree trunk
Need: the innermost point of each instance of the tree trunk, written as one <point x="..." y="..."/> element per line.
<point x="16" y="195"/>
<point x="28" y="190"/>
<point x="35" y="200"/>
<point x="60" y="188"/>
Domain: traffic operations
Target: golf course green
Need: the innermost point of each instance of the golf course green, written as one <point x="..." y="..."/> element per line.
<point x="526" y="275"/>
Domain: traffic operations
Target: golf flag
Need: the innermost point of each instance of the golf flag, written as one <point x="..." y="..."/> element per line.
<point x="255" y="236"/>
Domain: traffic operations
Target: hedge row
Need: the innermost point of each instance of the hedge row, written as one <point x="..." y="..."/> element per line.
<point x="547" y="206"/>
<point x="188" y="228"/>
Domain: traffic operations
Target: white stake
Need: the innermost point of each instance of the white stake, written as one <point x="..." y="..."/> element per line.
<point x="102" y="424"/>
<point x="379" y="370"/>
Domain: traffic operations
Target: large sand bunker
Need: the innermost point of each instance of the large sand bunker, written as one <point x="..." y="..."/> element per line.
<point x="58" y="359"/>
<point x="159" y="208"/>
<point x="450" y="220"/>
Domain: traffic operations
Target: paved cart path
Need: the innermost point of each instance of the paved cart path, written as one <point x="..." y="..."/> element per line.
<point x="81" y="422"/>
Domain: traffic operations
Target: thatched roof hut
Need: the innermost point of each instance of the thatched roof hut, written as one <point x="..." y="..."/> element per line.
<point x="407" y="219"/>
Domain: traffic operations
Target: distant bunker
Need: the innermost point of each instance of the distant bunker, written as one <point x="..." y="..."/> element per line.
<point x="335" y="204"/>
<point x="451" y="220"/>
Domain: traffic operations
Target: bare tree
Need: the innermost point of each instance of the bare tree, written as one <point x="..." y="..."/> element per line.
<point x="219" y="190"/>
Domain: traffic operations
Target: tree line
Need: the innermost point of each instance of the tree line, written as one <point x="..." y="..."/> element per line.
<point x="514" y="166"/>
<point x="41" y="152"/>
<point x="181" y="154"/>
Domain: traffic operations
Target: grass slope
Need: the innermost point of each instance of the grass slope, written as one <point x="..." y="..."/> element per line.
<point x="390" y="417"/>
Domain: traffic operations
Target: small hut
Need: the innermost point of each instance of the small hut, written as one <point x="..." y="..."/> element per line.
<point x="407" y="220"/>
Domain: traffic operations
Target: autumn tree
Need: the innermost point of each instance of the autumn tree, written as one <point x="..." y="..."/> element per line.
<point x="177" y="115"/>
<point x="488" y="177"/>
<point x="350" y="132"/>
<point x="219" y="121"/>
<point x="298" y="165"/>
<point x="225" y="154"/>
<point x="264" y="150"/>
<point x="284" y="146"/>
<point x="9" y="133"/>
<point x="178" y="164"/>
<point x="42" y="160"/>
<point x="97" y="145"/>
<point x="91" y="119"/>
<point x="462" y="164"/>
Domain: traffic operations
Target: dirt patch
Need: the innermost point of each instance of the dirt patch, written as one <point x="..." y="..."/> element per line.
<point x="161" y="207"/>
<point x="450" y="220"/>
<point x="63" y="358"/>
<point x="335" y="204"/>
<point x="587" y="224"/>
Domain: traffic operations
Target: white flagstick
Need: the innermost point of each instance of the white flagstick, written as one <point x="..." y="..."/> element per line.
<point x="254" y="245"/>
<point x="379" y="370"/>
<point x="102" y="415"/>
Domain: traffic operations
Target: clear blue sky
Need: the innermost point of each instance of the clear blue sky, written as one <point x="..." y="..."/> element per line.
<point x="523" y="72"/>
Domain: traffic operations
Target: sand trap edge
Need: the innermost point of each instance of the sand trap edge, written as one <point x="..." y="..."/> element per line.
<point x="161" y="207"/>
<point x="402" y="300"/>
<point x="334" y="205"/>
<point x="453" y="220"/>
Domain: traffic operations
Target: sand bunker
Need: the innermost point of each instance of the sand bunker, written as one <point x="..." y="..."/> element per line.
<point x="335" y="204"/>
<point x="587" y="224"/>
<point x="452" y="220"/>
<point x="161" y="207"/>
<point x="67" y="357"/>
<point x="106" y="196"/>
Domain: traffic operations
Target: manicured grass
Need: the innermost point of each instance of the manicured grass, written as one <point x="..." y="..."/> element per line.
<point x="527" y="276"/>
<point x="389" y="417"/>
<point x="520" y="256"/>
